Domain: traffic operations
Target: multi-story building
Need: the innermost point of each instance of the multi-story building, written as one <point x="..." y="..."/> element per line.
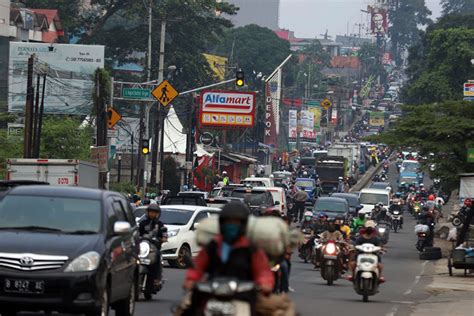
<point x="265" y="13"/>
<point x="4" y="47"/>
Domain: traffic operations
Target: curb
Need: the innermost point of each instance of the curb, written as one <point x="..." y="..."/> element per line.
<point x="366" y="178"/>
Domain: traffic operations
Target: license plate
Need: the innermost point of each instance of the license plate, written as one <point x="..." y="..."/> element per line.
<point x="23" y="286"/>
<point x="221" y="308"/>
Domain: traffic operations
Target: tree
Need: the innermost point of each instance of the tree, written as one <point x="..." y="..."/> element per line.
<point x="457" y="6"/>
<point x="444" y="129"/>
<point x="370" y="58"/>
<point x="405" y="18"/>
<point x="170" y="175"/>
<point x="255" y="49"/>
<point x="439" y="65"/>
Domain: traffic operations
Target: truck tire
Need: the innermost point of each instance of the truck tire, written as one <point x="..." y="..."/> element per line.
<point x="433" y="255"/>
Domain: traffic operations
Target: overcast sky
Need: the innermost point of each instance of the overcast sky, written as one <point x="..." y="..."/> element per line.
<point x="310" y="18"/>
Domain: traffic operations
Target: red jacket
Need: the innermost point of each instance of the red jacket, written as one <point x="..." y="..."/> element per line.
<point x="261" y="271"/>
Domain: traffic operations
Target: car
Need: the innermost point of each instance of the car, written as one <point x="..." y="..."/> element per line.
<point x="184" y="200"/>
<point x="279" y="195"/>
<point x="369" y="197"/>
<point x="6" y="185"/>
<point x="258" y="200"/>
<point x="307" y="185"/>
<point x="352" y="199"/>
<point x="332" y="206"/>
<point x="226" y="190"/>
<point x="181" y="223"/>
<point x="221" y="201"/>
<point x="410" y="166"/>
<point x="258" y="182"/>
<point x="204" y="195"/>
<point x="282" y="178"/>
<point x="409" y="178"/>
<point x="67" y="249"/>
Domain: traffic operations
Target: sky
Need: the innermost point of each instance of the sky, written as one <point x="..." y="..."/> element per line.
<point x="311" y="18"/>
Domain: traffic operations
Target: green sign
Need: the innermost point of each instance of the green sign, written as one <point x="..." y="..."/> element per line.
<point x="135" y="93"/>
<point x="470" y="155"/>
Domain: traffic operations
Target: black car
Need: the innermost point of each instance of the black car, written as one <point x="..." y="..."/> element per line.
<point x="352" y="199"/>
<point x="331" y="206"/>
<point x="259" y="200"/>
<point x="67" y="249"/>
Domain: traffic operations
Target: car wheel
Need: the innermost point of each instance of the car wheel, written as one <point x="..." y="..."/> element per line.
<point x="126" y="307"/>
<point x="184" y="255"/>
<point x="104" y="305"/>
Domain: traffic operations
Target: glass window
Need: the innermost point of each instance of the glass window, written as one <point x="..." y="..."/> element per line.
<point x="252" y="198"/>
<point x="57" y="213"/>
<point x="175" y="216"/>
<point x="332" y="206"/>
<point x="119" y="211"/>
<point x="200" y="217"/>
<point x="373" y="198"/>
<point x="304" y="184"/>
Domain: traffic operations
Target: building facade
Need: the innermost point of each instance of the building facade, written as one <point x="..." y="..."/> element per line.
<point x="265" y="13"/>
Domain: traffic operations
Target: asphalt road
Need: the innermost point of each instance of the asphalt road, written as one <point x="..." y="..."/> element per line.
<point x="404" y="286"/>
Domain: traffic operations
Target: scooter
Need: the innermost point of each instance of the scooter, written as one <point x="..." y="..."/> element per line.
<point x="384" y="232"/>
<point x="396" y="217"/>
<point x="423" y="233"/>
<point x="148" y="257"/>
<point x="366" y="278"/>
<point x="306" y="247"/>
<point x="225" y="296"/>
<point x="330" y="265"/>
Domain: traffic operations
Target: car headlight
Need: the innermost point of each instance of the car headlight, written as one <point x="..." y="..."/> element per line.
<point x="173" y="233"/>
<point x="86" y="262"/>
<point x="144" y="249"/>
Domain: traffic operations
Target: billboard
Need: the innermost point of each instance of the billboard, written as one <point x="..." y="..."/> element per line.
<point x="218" y="65"/>
<point x="378" y="21"/>
<point x="272" y="109"/>
<point x="307" y="126"/>
<point x="377" y="118"/>
<point x="292" y="125"/>
<point x="316" y="110"/>
<point x="69" y="68"/>
<point x="227" y="109"/>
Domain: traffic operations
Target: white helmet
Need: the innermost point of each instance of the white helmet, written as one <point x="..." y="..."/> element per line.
<point x="308" y="213"/>
<point x="224" y="173"/>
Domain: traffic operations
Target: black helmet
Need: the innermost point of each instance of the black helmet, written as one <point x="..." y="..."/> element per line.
<point x="153" y="208"/>
<point x="235" y="210"/>
<point x="339" y="218"/>
<point x="331" y="220"/>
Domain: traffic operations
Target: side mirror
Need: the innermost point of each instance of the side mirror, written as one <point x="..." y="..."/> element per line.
<point x="277" y="203"/>
<point x="122" y="228"/>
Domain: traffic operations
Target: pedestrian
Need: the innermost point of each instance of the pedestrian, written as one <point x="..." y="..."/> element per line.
<point x="300" y="198"/>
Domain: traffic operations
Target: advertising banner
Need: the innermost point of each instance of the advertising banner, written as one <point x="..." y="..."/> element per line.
<point x="292" y="125"/>
<point x="272" y="109"/>
<point x="334" y="116"/>
<point x="316" y="116"/>
<point x="376" y="118"/>
<point x="307" y="126"/>
<point x="378" y="21"/>
<point x="70" y="75"/>
<point x="218" y="65"/>
<point x="227" y="109"/>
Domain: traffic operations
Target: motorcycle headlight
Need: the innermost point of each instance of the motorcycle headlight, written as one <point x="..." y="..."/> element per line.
<point x="382" y="230"/>
<point x="144" y="249"/>
<point x="173" y="233"/>
<point x="396" y="213"/>
<point x="84" y="263"/>
<point x="330" y="248"/>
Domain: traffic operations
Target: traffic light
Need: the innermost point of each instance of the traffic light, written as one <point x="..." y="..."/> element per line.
<point x="239" y="78"/>
<point x="145" y="147"/>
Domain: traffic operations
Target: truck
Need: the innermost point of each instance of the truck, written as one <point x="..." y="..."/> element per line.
<point x="351" y="152"/>
<point x="57" y="172"/>
<point x="329" y="169"/>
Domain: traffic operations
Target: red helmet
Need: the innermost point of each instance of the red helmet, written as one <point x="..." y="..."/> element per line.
<point x="431" y="197"/>
<point x="468" y="202"/>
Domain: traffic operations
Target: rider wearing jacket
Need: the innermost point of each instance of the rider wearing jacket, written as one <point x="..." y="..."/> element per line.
<point x="358" y="222"/>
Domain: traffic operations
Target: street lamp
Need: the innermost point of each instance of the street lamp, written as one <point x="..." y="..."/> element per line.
<point x="119" y="157"/>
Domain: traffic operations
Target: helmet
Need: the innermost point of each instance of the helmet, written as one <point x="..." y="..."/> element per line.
<point x="146" y="201"/>
<point x="308" y="213"/>
<point x="431" y="197"/>
<point x="380" y="204"/>
<point x="331" y="220"/>
<point x="224" y="173"/>
<point x="322" y="215"/>
<point x="468" y="202"/>
<point x="235" y="210"/>
<point x="339" y="218"/>
<point x="153" y="208"/>
<point x="370" y="224"/>
<point x="340" y="178"/>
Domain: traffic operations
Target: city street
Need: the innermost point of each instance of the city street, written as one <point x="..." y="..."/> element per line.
<point x="403" y="271"/>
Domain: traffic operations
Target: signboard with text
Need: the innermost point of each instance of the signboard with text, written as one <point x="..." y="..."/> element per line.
<point x="469" y="89"/>
<point x="227" y="109"/>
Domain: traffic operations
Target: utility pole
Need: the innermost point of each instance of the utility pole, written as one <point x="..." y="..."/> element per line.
<point x="161" y="108"/>
<point x="40" y="121"/>
<point x="30" y="91"/>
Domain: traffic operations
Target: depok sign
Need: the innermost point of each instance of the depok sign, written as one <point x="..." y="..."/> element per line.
<point x="227" y="109"/>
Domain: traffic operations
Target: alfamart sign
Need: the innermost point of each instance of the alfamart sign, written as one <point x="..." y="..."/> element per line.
<point x="227" y="109"/>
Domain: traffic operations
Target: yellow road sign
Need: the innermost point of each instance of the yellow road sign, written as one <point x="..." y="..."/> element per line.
<point x="165" y="93"/>
<point x="113" y="117"/>
<point x="326" y="103"/>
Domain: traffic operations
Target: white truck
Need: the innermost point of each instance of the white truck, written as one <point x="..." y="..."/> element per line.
<point x="60" y="172"/>
<point x="349" y="151"/>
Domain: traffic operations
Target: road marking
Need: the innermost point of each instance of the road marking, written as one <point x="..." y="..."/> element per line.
<point x="407" y="292"/>
<point x="403" y="302"/>
<point x="417" y="278"/>
<point x="393" y="311"/>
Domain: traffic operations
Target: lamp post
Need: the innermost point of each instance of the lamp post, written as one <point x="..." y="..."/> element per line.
<point x="119" y="157"/>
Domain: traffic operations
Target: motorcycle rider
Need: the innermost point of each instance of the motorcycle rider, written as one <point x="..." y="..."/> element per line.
<point x="149" y="225"/>
<point x="340" y="226"/>
<point x="332" y="234"/>
<point x="379" y="213"/>
<point x="307" y="221"/>
<point x="368" y="235"/>
<point x="320" y="225"/>
<point x="358" y="222"/>
<point x="231" y="255"/>
<point x="341" y="186"/>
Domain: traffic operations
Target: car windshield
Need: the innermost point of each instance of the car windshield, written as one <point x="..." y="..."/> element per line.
<point x="411" y="167"/>
<point x="215" y="192"/>
<point x="50" y="213"/>
<point x="252" y="198"/>
<point x="175" y="216"/>
<point x="304" y="184"/>
<point x="373" y="198"/>
<point x="352" y="200"/>
<point x="408" y="180"/>
<point x="254" y="183"/>
<point x="328" y="205"/>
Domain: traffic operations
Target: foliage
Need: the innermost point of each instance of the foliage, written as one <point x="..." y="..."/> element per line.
<point x="256" y="50"/>
<point x="439" y="65"/>
<point x="12" y="147"/>
<point x="444" y="129"/>
<point x="370" y="57"/>
<point x="457" y="6"/>
<point x="123" y="187"/>
<point x="65" y="138"/>
<point x="171" y="180"/>
<point x="405" y="20"/>
<point x="6" y="118"/>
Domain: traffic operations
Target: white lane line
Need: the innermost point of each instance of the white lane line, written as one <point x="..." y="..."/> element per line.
<point x="417" y="278"/>
<point x="393" y="311"/>
<point x="407" y="292"/>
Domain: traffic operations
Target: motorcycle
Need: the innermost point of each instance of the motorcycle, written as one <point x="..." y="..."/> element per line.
<point x="416" y="209"/>
<point x="366" y="278"/>
<point x="148" y="257"/>
<point x="306" y="250"/>
<point x="423" y="233"/>
<point x="460" y="217"/>
<point x="330" y="265"/>
<point x="383" y="230"/>
<point x="396" y="217"/>
<point x="225" y="296"/>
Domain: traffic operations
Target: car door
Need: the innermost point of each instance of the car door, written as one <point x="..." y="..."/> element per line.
<point x="192" y="230"/>
<point x="118" y="248"/>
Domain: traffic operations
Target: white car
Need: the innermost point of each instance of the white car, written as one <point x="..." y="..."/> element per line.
<point x="258" y="182"/>
<point x="369" y="197"/>
<point x="279" y="196"/>
<point x="180" y="220"/>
